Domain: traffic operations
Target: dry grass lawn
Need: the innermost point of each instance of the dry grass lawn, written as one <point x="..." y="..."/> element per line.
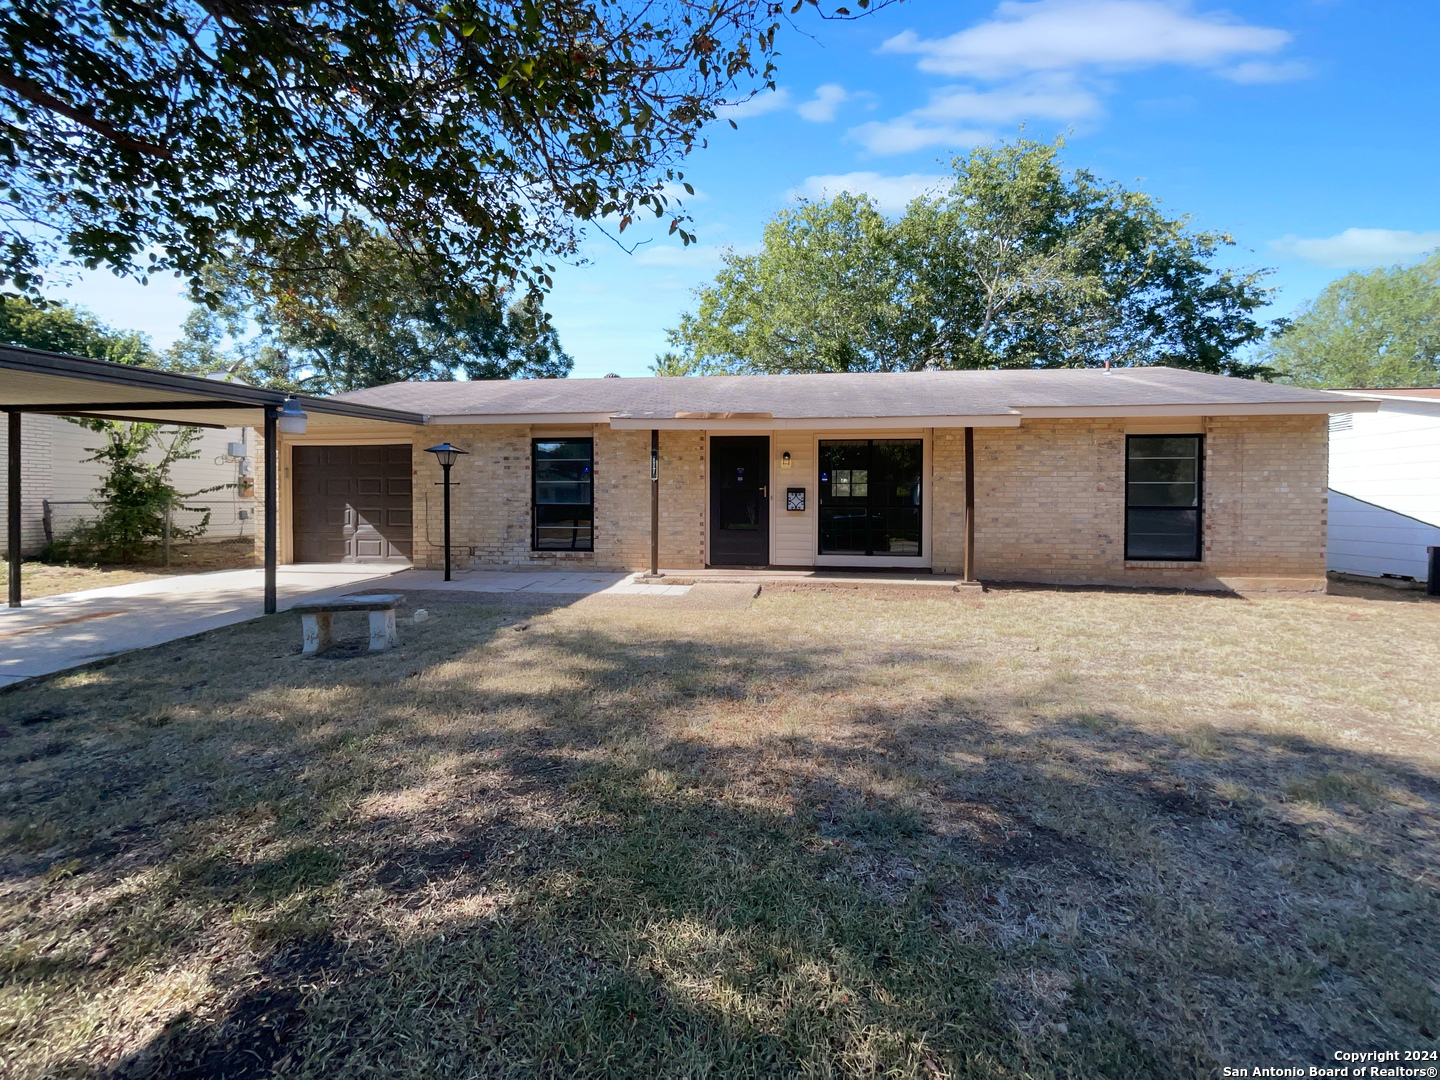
<point x="39" y="579"/>
<point x="1031" y="834"/>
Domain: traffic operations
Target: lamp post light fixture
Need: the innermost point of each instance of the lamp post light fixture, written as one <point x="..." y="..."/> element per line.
<point x="446" y="455"/>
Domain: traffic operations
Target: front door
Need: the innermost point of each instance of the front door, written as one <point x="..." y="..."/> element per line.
<point x="740" y="501"/>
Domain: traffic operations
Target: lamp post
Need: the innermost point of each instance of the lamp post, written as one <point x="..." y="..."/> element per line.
<point x="446" y="455"/>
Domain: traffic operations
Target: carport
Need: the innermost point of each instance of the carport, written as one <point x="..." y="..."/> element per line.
<point x="34" y="381"/>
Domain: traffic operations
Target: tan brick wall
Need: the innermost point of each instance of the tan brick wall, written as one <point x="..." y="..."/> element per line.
<point x="1050" y="503"/>
<point x="490" y="510"/>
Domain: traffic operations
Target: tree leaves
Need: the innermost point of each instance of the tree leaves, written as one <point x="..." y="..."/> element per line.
<point x="1016" y="266"/>
<point x="156" y="136"/>
<point x="1380" y="329"/>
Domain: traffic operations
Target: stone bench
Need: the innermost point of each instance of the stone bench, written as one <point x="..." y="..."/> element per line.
<point x="317" y="620"/>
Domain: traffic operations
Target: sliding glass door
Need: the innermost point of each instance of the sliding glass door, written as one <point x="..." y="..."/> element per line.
<point x="870" y="496"/>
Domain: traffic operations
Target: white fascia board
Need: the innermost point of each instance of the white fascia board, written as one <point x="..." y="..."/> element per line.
<point x="1271" y="408"/>
<point x="815" y="423"/>
<point x="1416" y="405"/>
<point x="520" y="418"/>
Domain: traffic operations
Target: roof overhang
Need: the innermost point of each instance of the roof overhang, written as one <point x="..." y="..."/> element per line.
<point x="1214" y="408"/>
<point x="33" y="381"/>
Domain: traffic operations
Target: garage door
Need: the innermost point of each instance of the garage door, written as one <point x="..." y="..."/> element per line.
<point x="352" y="503"/>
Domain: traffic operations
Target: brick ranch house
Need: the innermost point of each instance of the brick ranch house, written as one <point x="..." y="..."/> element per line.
<point x="1146" y="476"/>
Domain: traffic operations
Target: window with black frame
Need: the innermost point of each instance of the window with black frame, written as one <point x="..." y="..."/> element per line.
<point x="1163" y="497"/>
<point x="870" y="496"/>
<point x="563" y="506"/>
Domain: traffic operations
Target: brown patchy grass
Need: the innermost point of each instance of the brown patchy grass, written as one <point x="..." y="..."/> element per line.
<point x="39" y="579"/>
<point x="1037" y="833"/>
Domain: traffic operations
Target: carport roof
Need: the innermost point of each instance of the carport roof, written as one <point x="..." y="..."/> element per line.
<point x="34" y="381"/>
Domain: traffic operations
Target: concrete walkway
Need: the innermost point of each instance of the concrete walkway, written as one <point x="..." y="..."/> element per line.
<point x="54" y="633"/>
<point x="58" y="632"/>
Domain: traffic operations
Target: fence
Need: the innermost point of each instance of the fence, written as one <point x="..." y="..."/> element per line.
<point x="230" y="516"/>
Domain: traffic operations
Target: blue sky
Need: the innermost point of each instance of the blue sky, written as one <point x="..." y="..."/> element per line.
<point x="1307" y="129"/>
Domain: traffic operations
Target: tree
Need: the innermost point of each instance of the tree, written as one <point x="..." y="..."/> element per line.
<point x="150" y="135"/>
<point x="65" y="328"/>
<point x="1380" y="329"/>
<point x="135" y="499"/>
<point x="824" y="294"/>
<point x="1017" y="265"/>
<point x="367" y="321"/>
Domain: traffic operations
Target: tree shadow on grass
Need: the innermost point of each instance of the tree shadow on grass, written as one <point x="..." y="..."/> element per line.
<point x="600" y="891"/>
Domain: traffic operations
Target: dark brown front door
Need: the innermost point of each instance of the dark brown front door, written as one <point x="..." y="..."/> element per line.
<point x="352" y="503"/>
<point x="739" y="501"/>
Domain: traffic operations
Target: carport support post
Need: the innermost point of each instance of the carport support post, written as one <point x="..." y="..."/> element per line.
<point x="272" y="487"/>
<point x="13" y="512"/>
<point x="654" y="502"/>
<point x="969" y="504"/>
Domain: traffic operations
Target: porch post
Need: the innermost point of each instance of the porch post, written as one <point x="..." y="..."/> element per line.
<point x="654" y="502"/>
<point x="272" y="488"/>
<point x="13" y="520"/>
<point x="969" y="504"/>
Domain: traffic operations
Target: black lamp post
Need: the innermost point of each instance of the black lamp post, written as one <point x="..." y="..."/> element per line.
<point x="447" y="455"/>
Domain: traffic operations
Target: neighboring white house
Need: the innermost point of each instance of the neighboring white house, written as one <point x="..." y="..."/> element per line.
<point x="58" y="483"/>
<point x="1385" y="485"/>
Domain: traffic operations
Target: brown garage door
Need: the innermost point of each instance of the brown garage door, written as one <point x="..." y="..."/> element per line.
<point x="352" y="503"/>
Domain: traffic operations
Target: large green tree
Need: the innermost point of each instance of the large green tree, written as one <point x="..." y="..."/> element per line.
<point x="1018" y="264"/>
<point x="367" y="320"/>
<point x="1380" y="329"/>
<point x="65" y="328"/>
<point x="151" y="135"/>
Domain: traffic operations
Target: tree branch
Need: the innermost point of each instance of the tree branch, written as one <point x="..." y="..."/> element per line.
<point x="36" y="96"/>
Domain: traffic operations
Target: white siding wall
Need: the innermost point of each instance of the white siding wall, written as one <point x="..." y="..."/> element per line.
<point x="1375" y="542"/>
<point x="53" y="455"/>
<point x="792" y="534"/>
<point x="1390" y="458"/>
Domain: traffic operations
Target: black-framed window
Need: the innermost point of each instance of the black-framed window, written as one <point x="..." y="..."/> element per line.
<point x="870" y="496"/>
<point x="563" y="494"/>
<point x="1163" y="497"/>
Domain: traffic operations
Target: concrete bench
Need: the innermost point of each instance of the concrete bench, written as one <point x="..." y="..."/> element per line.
<point x="317" y="620"/>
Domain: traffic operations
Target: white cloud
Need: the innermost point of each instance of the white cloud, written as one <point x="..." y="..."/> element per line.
<point x="1263" y="71"/>
<point x="906" y="135"/>
<point x="954" y="114"/>
<point x="1063" y="35"/>
<point x="694" y="257"/>
<point x="1359" y="247"/>
<point x="891" y="193"/>
<point x="821" y="109"/>
<point x="766" y="102"/>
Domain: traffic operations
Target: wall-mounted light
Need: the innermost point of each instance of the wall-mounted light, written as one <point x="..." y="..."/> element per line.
<point x="291" y="420"/>
<point x="785" y="460"/>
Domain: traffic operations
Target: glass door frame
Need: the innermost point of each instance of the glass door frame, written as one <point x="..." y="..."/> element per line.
<point x="923" y="561"/>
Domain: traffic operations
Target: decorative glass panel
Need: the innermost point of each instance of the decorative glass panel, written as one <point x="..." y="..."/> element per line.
<point x="870" y="496"/>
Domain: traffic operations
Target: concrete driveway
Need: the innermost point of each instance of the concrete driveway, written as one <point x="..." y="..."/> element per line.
<point x="58" y="632"/>
<point x="54" y="633"/>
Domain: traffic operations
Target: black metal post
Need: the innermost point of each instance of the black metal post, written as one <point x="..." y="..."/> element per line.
<point x="1432" y="586"/>
<point x="654" y="503"/>
<point x="272" y="488"/>
<point x="13" y="502"/>
<point x="446" y="469"/>
<point x="969" y="504"/>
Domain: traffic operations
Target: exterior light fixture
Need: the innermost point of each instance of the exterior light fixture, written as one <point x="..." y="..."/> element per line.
<point x="291" y="420"/>
<point x="785" y="460"/>
<point x="446" y="455"/>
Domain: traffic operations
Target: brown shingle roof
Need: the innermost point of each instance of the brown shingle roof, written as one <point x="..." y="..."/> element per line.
<point x="927" y="393"/>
